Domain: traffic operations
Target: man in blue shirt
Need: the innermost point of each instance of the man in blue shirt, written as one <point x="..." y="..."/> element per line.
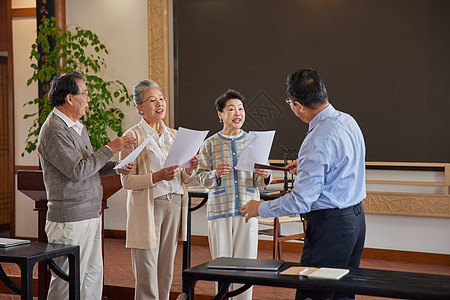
<point x="330" y="182"/>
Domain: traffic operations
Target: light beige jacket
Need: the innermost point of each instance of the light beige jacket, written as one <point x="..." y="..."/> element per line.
<point x="141" y="232"/>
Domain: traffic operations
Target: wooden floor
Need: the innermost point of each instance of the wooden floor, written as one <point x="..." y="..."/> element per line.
<point x="118" y="270"/>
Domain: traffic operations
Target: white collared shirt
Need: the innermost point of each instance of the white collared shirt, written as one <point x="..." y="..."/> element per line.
<point x="77" y="126"/>
<point x="158" y="149"/>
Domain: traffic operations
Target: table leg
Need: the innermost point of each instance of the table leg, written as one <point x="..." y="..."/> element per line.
<point x="74" y="276"/>
<point x="188" y="287"/>
<point x="187" y="243"/>
<point x="223" y="289"/>
<point x="26" y="281"/>
<point x="43" y="280"/>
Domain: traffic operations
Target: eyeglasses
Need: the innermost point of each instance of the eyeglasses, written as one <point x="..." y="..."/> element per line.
<point x="289" y="101"/>
<point x="152" y="99"/>
<point x="85" y="94"/>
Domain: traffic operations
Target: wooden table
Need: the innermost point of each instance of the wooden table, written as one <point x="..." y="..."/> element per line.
<point x="26" y="256"/>
<point x="381" y="283"/>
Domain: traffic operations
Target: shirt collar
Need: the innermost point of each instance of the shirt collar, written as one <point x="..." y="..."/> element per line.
<point x="77" y="126"/>
<point x="322" y="115"/>
<point x="232" y="137"/>
<point x="151" y="131"/>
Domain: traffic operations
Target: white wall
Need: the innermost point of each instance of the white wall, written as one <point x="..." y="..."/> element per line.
<point x="421" y="234"/>
<point x="122" y="26"/>
<point x="24" y="34"/>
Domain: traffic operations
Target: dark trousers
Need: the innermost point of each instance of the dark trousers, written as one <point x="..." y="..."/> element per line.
<point x="333" y="238"/>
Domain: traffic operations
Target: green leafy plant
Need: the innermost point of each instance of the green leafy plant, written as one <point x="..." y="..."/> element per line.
<point x="80" y="51"/>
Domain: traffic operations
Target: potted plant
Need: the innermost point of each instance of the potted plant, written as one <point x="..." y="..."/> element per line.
<point x="80" y="51"/>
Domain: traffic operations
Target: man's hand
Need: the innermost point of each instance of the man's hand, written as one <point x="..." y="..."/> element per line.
<point x="250" y="209"/>
<point x="126" y="169"/>
<point x="292" y="167"/>
<point x="165" y="174"/>
<point x="122" y="143"/>
<point x="193" y="166"/>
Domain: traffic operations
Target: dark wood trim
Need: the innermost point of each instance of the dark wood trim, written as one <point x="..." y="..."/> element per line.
<point x="114" y="234"/>
<point x="4" y="227"/>
<point x="19" y="167"/>
<point x="12" y="159"/>
<point x="113" y="292"/>
<point x="23" y="12"/>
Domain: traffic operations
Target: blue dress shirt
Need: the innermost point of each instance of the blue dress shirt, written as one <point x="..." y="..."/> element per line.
<point x="331" y="168"/>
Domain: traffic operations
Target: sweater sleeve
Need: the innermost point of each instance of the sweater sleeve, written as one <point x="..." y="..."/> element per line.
<point x="206" y="172"/>
<point x="108" y="169"/>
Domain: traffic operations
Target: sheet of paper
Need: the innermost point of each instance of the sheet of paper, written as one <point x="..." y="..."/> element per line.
<point x="185" y="146"/>
<point x="132" y="156"/>
<point x="256" y="150"/>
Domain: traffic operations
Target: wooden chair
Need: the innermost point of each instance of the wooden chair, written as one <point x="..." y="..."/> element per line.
<point x="275" y="223"/>
<point x="275" y="232"/>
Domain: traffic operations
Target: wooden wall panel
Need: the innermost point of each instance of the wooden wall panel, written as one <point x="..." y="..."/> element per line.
<point x="3" y="26"/>
<point x="158" y="47"/>
<point x="407" y="204"/>
<point x="4" y="143"/>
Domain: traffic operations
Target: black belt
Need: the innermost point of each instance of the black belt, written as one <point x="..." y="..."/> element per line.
<point x="333" y="212"/>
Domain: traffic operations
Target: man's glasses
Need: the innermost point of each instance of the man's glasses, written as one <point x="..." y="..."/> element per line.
<point x="84" y="94"/>
<point x="289" y="101"/>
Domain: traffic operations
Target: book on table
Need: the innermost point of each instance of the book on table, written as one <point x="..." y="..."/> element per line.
<point x="317" y="273"/>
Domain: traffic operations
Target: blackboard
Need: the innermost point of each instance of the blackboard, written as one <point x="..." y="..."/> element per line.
<point x="385" y="62"/>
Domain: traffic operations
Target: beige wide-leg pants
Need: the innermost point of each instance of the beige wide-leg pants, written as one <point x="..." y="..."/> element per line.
<point x="153" y="268"/>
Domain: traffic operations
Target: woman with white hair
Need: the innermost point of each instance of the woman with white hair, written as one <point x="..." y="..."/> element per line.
<point x="157" y="197"/>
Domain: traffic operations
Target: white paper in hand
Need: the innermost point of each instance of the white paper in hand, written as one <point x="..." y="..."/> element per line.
<point x="185" y="146"/>
<point x="132" y="156"/>
<point x="256" y="150"/>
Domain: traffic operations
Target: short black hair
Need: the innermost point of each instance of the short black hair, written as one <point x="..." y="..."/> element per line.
<point x="63" y="85"/>
<point x="228" y="95"/>
<point x="306" y="86"/>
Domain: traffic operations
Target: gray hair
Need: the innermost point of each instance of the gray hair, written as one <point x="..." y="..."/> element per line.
<point x="139" y="88"/>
